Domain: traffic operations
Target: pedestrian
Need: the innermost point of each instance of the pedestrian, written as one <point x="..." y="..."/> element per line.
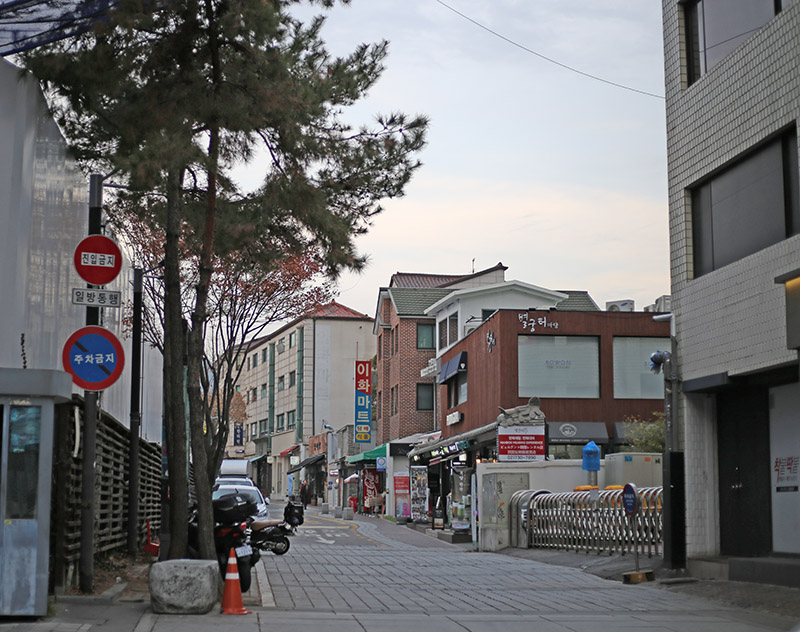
<point x="305" y="493"/>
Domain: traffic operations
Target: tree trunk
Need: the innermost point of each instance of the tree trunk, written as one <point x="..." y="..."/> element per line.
<point x="174" y="409"/>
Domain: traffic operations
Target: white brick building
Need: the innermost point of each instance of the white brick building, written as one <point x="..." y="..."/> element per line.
<point x="733" y="102"/>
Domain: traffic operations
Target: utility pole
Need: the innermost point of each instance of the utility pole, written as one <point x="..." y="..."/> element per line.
<point x="136" y="416"/>
<point x="86" y="567"/>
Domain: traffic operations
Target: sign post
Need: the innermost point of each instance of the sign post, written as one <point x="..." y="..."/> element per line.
<point x="630" y="503"/>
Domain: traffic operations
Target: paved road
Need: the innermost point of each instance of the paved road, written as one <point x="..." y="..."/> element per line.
<point x="372" y="576"/>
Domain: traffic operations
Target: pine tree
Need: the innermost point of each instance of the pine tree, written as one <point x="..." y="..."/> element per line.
<point x="170" y="97"/>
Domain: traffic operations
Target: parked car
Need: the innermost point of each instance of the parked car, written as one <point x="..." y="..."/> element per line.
<point x="234" y="480"/>
<point x="250" y="492"/>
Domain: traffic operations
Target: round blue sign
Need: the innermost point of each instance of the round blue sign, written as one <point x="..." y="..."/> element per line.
<point x="94" y="357"/>
<point x="630" y="499"/>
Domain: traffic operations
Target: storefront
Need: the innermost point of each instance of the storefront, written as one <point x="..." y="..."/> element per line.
<point x="566" y="440"/>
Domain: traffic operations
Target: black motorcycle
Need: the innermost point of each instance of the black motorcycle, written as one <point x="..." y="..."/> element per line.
<point x="272" y="535"/>
<point x="232" y="516"/>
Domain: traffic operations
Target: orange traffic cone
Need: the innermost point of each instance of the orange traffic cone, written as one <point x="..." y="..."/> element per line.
<point x="232" y="595"/>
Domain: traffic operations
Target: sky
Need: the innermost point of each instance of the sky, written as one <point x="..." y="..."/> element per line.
<point x="559" y="176"/>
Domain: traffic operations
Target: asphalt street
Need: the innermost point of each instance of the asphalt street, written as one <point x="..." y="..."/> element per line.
<point x="372" y="575"/>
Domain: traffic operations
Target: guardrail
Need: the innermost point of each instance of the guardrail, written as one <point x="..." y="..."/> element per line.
<point x="576" y="521"/>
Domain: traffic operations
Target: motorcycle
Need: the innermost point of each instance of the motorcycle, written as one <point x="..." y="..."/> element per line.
<point x="232" y="517"/>
<point x="272" y="535"/>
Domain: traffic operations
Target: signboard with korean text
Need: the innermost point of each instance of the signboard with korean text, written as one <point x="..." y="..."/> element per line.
<point x="363" y="416"/>
<point x="98" y="259"/>
<point x="96" y="298"/>
<point x="94" y="358"/>
<point x="402" y="495"/>
<point x="520" y="443"/>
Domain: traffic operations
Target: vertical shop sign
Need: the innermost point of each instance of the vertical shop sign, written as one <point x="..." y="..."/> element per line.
<point x="419" y="493"/>
<point x="371" y="482"/>
<point x="402" y="495"/>
<point x="363" y="420"/>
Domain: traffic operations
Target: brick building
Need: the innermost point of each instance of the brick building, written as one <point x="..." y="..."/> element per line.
<point x="732" y="105"/>
<point x="406" y="347"/>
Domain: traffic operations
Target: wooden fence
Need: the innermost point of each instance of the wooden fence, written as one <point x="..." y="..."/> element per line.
<point x="111" y="492"/>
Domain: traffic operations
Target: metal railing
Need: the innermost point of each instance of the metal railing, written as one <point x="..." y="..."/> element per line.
<point x="574" y="521"/>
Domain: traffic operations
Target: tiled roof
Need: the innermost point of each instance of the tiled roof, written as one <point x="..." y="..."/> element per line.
<point x="420" y="280"/>
<point x="413" y="301"/>
<point x="578" y="301"/>
<point x="336" y="310"/>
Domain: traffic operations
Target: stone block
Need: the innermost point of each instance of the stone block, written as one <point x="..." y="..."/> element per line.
<point x="347" y="513"/>
<point x="337" y="512"/>
<point x="184" y="586"/>
<point x="324" y="508"/>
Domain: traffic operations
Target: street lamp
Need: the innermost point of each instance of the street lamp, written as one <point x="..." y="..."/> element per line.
<point x="333" y="448"/>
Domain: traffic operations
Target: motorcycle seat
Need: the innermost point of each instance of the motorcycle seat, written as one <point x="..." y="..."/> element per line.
<point x="263" y="524"/>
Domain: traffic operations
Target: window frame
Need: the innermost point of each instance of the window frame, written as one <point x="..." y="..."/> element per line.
<point x="431" y="327"/>
<point x="425" y="386"/>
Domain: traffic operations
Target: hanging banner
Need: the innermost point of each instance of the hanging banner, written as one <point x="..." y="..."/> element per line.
<point x="402" y="495"/>
<point x="419" y="493"/>
<point x="363" y="420"/>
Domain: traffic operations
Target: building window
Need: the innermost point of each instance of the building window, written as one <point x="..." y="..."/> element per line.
<point x="255" y="360"/>
<point x="279" y="423"/>
<point x="263" y="391"/>
<point x="292" y="378"/>
<point x="442" y="324"/>
<point x="254" y="395"/>
<point x="425" y="396"/>
<point x="380" y="345"/>
<point x="264" y="356"/>
<point x="633" y="378"/>
<point x="759" y="192"/>
<point x="291" y="419"/>
<point x="448" y="331"/>
<point x="281" y="382"/>
<point x="558" y="366"/>
<point x="378" y="407"/>
<point x="253" y="430"/>
<point x="391" y="342"/>
<point x="715" y="28"/>
<point x="292" y="339"/>
<point x="262" y="426"/>
<point x="394" y="400"/>
<point x="487" y="313"/>
<point x="248" y="363"/>
<point x="425" y="336"/>
<point x="457" y="390"/>
<point x="281" y="345"/>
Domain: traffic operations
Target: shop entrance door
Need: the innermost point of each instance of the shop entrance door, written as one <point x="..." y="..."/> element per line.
<point x="26" y="458"/>
<point x="744" y="471"/>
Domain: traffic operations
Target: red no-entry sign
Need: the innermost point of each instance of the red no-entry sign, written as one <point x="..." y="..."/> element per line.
<point x="98" y="259"/>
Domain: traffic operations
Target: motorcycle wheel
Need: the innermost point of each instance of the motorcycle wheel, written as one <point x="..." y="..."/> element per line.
<point x="244" y="573"/>
<point x="280" y="546"/>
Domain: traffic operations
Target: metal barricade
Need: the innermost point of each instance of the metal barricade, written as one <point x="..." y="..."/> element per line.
<point x="519" y="508"/>
<point x="573" y="521"/>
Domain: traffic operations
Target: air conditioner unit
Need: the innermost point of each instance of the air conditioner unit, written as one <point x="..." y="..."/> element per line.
<point x="625" y="305"/>
<point x="650" y="308"/>
<point x="468" y="329"/>
<point x="664" y="303"/>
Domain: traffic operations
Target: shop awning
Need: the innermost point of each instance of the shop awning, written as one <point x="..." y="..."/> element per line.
<point x="458" y="364"/>
<point x="577" y="432"/>
<point x="306" y="462"/>
<point x="369" y="455"/>
<point x="288" y="451"/>
<point x="475" y="434"/>
<point x="258" y="458"/>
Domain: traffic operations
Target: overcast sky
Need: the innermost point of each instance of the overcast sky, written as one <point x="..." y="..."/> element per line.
<point x="560" y="177"/>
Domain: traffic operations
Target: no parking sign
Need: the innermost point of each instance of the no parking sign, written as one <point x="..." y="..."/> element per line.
<point x="94" y="357"/>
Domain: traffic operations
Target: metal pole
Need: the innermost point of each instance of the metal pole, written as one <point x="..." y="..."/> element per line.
<point x="136" y="416"/>
<point x="86" y="566"/>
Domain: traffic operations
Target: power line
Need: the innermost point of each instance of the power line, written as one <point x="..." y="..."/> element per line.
<point x="552" y="61"/>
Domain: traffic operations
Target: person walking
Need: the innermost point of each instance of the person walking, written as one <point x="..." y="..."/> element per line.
<point x="305" y="494"/>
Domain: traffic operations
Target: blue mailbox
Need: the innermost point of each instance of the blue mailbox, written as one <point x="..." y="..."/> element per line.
<point x="591" y="457"/>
